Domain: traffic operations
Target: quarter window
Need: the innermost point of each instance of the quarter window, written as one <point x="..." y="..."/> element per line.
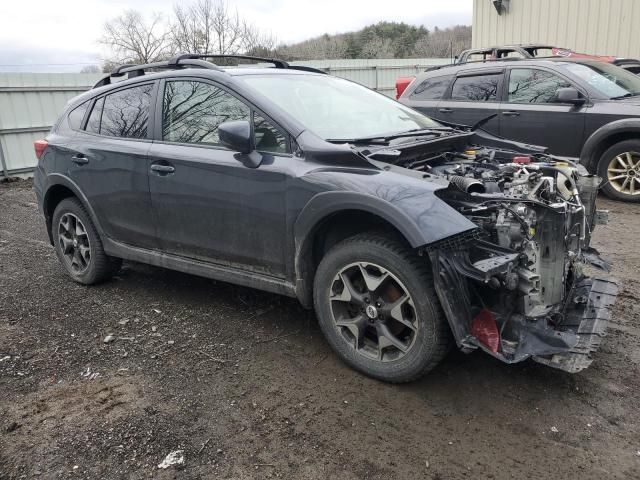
<point x="93" y="124"/>
<point x="432" y="88"/>
<point x="126" y="113"/>
<point x="529" y="85"/>
<point x="480" y="88"/>
<point x="77" y="115"/>
<point x="192" y="112"/>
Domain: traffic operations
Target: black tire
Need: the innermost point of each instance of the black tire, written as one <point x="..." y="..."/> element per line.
<point x="97" y="266"/>
<point x="432" y="338"/>
<point x="622" y="148"/>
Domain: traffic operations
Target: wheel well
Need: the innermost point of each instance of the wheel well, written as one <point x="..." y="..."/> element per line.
<point x="327" y="233"/>
<point x="604" y="145"/>
<point x="54" y="196"/>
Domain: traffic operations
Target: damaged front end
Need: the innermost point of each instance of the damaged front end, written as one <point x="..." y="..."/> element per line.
<point x="516" y="286"/>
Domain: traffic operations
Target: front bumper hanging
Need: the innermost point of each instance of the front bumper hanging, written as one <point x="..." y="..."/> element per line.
<point x="587" y="315"/>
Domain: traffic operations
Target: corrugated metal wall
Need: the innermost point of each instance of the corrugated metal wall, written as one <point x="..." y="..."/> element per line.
<point x="601" y="27"/>
<point x="30" y="102"/>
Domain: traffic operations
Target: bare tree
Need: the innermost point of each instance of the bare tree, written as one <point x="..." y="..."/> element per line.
<point x="210" y="26"/>
<point x="133" y="40"/>
<point x="377" y="47"/>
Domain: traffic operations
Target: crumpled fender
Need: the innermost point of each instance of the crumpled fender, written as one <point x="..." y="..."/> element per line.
<point x="591" y="151"/>
<point x="408" y="203"/>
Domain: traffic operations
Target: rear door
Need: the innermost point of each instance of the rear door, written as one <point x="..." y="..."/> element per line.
<point x="427" y="95"/>
<point x="472" y="97"/>
<point x="109" y="162"/>
<point x="210" y="205"/>
<point x="530" y="114"/>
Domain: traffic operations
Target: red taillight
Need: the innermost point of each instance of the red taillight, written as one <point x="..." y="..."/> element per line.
<point x="40" y="146"/>
<point x="401" y="85"/>
<point x="485" y="329"/>
<point x="522" y="160"/>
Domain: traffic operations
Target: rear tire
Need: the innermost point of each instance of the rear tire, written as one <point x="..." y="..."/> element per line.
<point x="619" y="168"/>
<point x="78" y="245"/>
<point x="377" y="307"/>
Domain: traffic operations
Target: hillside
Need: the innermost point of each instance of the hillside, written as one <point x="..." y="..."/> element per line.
<point x="382" y="40"/>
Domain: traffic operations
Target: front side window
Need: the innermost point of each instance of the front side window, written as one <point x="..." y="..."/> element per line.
<point x="192" y="112"/>
<point x="267" y="137"/>
<point x="610" y="80"/>
<point x="432" y="88"/>
<point x="478" y="88"/>
<point x="126" y="113"/>
<point x="530" y="85"/>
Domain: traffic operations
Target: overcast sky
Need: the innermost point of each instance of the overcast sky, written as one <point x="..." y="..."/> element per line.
<point x="62" y="35"/>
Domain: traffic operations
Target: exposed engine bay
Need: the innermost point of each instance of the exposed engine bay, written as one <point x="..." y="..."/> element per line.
<point x="515" y="286"/>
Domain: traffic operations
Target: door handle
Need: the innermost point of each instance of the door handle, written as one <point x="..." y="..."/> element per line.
<point x="511" y="113"/>
<point x="79" y="159"/>
<point x="163" y="169"/>
<point x="445" y="110"/>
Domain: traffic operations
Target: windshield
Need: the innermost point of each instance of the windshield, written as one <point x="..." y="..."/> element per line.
<point x="610" y="80"/>
<point x="336" y="109"/>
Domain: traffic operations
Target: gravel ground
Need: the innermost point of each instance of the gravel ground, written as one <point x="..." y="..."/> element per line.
<point x="244" y="384"/>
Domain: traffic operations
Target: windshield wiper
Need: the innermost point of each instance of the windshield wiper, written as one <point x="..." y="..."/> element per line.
<point x="626" y="95"/>
<point x="384" y="139"/>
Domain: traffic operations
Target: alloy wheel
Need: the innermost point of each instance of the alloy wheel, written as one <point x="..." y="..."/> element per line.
<point x="373" y="311"/>
<point x="74" y="243"/>
<point x="623" y="173"/>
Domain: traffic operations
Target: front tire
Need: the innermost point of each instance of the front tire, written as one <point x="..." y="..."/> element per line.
<point x="378" y="309"/>
<point x="78" y="245"/>
<point x="619" y="167"/>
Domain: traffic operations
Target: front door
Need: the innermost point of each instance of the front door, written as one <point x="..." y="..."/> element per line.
<point x="530" y="114"/>
<point x="208" y="204"/>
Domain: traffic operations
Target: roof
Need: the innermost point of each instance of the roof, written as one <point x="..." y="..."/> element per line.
<point x="503" y="62"/>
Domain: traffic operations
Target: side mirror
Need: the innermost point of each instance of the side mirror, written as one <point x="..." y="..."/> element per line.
<point x="569" y="95"/>
<point x="236" y="135"/>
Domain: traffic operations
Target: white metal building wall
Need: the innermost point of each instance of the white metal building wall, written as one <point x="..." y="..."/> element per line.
<point x="30" y="102"/>
<point x="29" y="105"/>
<point x="601" y="27"/>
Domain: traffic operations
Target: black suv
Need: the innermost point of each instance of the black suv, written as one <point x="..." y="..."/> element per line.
<point x="401" y="232"/>
<point x="578" y="108"/>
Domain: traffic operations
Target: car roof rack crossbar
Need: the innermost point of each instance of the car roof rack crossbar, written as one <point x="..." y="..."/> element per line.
<point x="179" y="59"/>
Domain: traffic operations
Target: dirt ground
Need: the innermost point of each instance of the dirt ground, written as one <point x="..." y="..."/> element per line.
<point x="243" y="382"/>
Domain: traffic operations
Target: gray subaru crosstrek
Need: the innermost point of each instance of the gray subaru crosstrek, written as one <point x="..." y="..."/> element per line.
<point x="402" y="233"/>
<point x="583" y="109"/>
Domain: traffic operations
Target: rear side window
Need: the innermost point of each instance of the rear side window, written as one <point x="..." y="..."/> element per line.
<point x="77" y="115"/>
<point x="530" y="85"/>
<point x="432" y="88"/>
<point x="192" y="112"/>
<point x="479" y="88"/>
<point x="126" y="113"/>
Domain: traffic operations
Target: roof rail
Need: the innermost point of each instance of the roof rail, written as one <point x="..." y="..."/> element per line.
<point x="133" y="70"/>
<point x="486" y="60"/>
<point x="192" y="60"/>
